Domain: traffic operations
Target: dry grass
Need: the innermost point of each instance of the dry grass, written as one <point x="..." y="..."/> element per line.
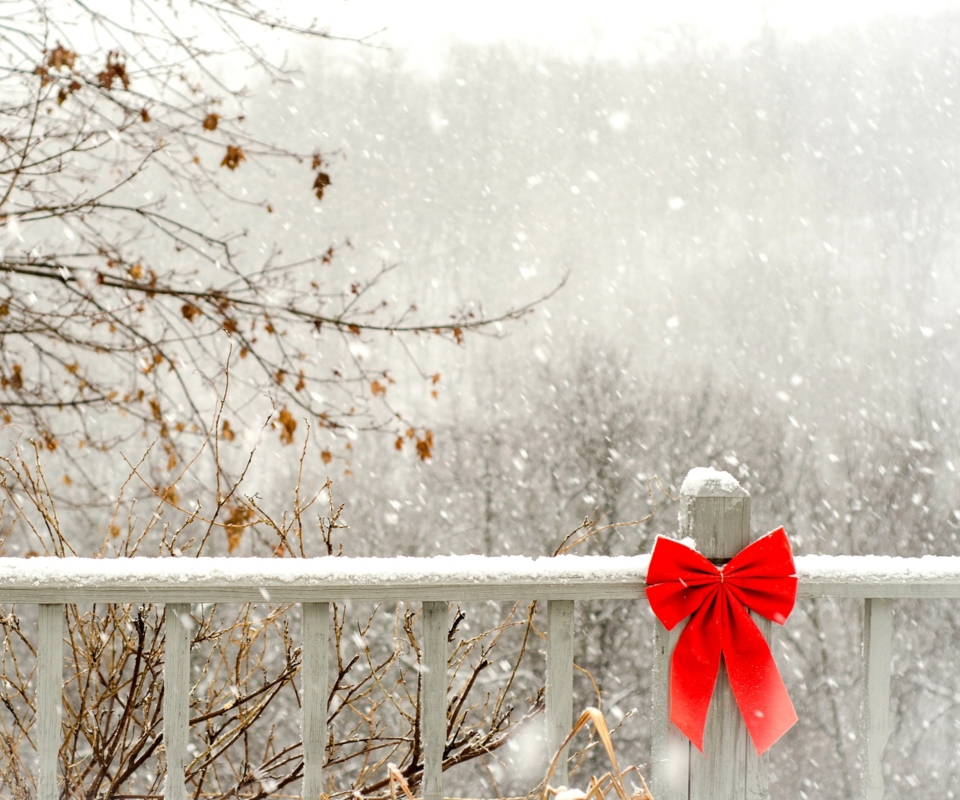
<point x="598" y="787"/>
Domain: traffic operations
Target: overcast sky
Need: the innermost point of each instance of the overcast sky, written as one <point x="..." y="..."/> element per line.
<point x="610" y="27"/>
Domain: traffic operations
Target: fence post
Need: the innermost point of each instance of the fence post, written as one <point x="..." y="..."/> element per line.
<point x="715" y="513"/>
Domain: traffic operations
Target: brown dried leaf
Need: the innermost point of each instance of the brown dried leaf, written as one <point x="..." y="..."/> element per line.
<point x="211" y="121"/>
<point x="326" y="456"/>
<point x="322" y="182"/>
<point x="116" y="69"/>
<point x="189" y="311"/>
<point x="168" y="495"/>
<point x="152" y="365"/>
<point x="226" y="432"/>
<point x="287" y="425"/>
<point x="64" y="93"/>
<point x="238" y="520"/>
<point x="378" y="389"/>
<point x="233" y="157"/>
<point x="61" y="57"/>
<point x="425" y="445"/>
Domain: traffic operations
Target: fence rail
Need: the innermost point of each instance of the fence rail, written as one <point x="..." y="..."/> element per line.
<point x="316" y="583"/>
<point x="451" y="578"/>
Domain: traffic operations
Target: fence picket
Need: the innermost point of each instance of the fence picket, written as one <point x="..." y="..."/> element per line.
<point x="671" y="749"/>
<point x="176" y="698"/>
<point x="433" y="703"/>
<point x="875" y="707"/>
<point x="49" y="698"/>
<point x="314" y="679"/>
<point x="559" y="691"/>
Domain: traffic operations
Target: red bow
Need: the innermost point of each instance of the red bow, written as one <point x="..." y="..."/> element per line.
<point x="761" y="578"/>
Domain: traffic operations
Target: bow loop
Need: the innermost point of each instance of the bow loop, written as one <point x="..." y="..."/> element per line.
<point x="678" y="581"/>
<point x="682" y="583"/>
<point x="766" y="577"/>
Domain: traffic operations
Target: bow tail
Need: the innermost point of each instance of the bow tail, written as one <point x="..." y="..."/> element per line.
<point x="694" y="670"/>
<point x="755" y="679"/>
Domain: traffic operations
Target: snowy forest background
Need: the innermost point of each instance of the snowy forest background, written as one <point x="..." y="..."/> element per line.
<point x="759" y="247"/>
<point x="762" y="256"/>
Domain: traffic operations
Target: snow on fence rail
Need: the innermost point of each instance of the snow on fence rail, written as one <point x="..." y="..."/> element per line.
<point x="251" y="580"/>
<point x="715" y="513"/>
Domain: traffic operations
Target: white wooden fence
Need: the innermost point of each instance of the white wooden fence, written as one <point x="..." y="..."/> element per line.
<point x="717" y="518"/>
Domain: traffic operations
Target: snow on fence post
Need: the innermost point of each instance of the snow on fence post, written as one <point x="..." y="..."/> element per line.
<point x="715" y="513"/>
<point x="559" y="682"/>
<point x="875" y="707"/>
<point x="176" y="697"/>
<point x="49" y="698"/>
<point x="314" y="680"/>
<point x="433" y="697"/>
